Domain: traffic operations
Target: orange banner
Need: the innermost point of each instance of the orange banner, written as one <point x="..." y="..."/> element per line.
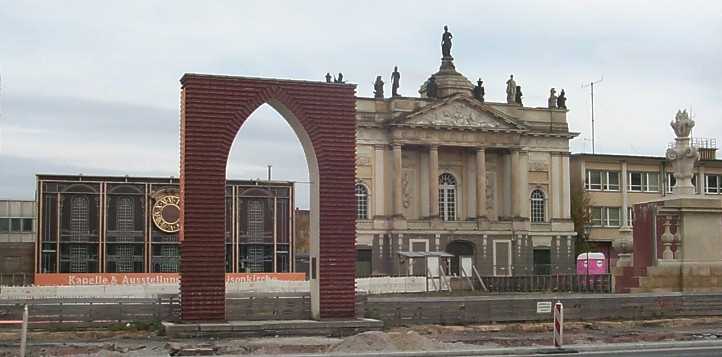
<point x="151" y="278"/>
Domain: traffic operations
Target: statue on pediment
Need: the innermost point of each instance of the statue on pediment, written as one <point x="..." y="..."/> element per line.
<point x="562" y="100"/>
<point x="511" y="90"/>
<point x="395" y="78"/>
<point x="479" y="91"/>
<point x="519" y="94"/>
<point x="432" y="89"/>
<point x="379" y="88"/>
<point x="552" y="102"/>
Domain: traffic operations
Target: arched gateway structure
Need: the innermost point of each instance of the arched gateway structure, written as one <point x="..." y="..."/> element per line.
<point x="213" y="109"/>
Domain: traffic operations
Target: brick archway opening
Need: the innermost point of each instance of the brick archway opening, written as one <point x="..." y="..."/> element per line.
<point x="213" y="109"/>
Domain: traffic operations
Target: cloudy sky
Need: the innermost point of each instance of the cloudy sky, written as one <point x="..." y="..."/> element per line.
<point x="92" y="87"/>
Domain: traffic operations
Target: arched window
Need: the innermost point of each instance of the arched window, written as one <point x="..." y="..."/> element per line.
<point x="79" y="217"/>
<point x="447" y="197"/>
<point x="125" y="217"/>
<point x="537" y="206"/>
<point x="362" y="202"/>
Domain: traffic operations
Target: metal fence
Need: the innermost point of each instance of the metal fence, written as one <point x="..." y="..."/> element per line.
<point x="16" y="279"/>
<point x="541" y="283"/>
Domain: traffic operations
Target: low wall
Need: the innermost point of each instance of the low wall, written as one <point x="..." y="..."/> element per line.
<point x="391" y="285"/>
<point x="398" y="311"/>
<point x="379" y="285"/>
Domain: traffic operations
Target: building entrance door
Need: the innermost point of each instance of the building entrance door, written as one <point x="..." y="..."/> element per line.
<point x="502" y="258"/>
<point x="418" y="267"/>
<point x="466" y="263"/>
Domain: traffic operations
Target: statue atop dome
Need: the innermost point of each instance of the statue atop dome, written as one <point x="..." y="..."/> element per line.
<point x="446" y="43"/>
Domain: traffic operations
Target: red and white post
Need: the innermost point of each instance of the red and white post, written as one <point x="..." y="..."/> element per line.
<point x="558" y="324"/>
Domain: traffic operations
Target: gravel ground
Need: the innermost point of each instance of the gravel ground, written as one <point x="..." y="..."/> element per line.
<point x="416" y="338"/>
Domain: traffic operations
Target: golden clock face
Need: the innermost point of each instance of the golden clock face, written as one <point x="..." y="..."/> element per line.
<point x="166" y="213"/>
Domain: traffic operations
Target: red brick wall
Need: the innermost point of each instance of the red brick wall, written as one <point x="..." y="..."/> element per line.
<point x="213" y="109"/>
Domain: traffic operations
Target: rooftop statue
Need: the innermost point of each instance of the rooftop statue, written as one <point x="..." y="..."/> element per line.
<point x="511" y="90"/>
<point x="379" y="88"/>
<point x="339" y="79"/>
<point x="517" y="100"/>
<point x="552" y="103"/>
<point x="562" y="100"/>
<point x="328" y="77"/>
<point x="446" y="42"/>
<point x="395" y="77"/>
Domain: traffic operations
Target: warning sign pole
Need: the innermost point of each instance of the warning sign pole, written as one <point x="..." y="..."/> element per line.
<point x="558" y="324"/>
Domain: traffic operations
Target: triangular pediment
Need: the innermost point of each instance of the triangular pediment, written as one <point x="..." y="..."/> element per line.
<point x="459" y="112"/>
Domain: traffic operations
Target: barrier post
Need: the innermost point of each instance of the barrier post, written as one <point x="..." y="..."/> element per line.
<point x="24" y="332"/>
<point x="558" y="324"/>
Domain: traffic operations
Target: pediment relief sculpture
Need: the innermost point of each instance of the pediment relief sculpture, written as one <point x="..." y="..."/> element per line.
<point x="458" y="114"/>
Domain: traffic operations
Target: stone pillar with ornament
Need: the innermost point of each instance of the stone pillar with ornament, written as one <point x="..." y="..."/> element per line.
<point x="689" y="227"/>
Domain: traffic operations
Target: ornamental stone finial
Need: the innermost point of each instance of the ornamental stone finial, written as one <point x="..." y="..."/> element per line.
<point x="682" y="155"/>
<point x="682" y="124"/>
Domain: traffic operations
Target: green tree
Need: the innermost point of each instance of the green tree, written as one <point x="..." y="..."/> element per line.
<point x="581" y="216"/>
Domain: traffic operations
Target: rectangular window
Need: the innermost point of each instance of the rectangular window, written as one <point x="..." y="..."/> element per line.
<point x="4" y="225"/>
<point x="597" y="216"/>
<point x="614" y="215"/>
<point x="635" y="181"/>
<point x="644" y="181"/>
<point x="599" y="180"/>
<point x="712" y="184"/>
<point x="606" y="216"/>
<point x="27" y="225"/>
<point x="16" y="225"/>
<point x="594" y="180"/>
<point x="612" y="180"/>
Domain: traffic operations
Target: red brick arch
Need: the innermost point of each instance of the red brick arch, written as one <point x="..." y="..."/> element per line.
<point x="213" y="109"/>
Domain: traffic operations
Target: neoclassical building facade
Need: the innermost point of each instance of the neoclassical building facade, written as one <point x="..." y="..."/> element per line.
<point x="486" y="182"/>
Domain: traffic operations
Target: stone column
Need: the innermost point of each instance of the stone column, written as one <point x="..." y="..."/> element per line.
<point x="701" y="181"/>
<point x="481" y="183"/>
<point x="434" y="181"/>
<point x="566" y="188"/>
<point x="523" y="188"/>
<point x="515" y="178"/>
<point x="378" y="191"/>
<point x="556" y="198"/>
<point x="398" y="175"/>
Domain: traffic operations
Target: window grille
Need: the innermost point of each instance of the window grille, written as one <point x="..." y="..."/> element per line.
<point x="255" y="258"/>
<point x="255" y="221"/>
<point x="79" y="217"/>
<point x="537" y="206"/>
<point x="447" y="197"/>
<point x="125" y="216"/>
<point x="78" y="260"/>
<point x="362" y="202"/>
<point x="124" y="259"/>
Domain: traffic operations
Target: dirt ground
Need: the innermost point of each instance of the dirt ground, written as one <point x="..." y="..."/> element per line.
<point x="132" y="343"/>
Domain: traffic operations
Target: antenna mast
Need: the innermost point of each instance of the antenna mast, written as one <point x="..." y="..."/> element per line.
<point x="591" y="85"/>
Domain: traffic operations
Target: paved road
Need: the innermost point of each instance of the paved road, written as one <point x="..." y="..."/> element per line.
<point x="656" y="352"/>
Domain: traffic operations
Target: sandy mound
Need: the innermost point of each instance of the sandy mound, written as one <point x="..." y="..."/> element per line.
<point x="371" y="341"/>
<point x="376" y="341"/>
